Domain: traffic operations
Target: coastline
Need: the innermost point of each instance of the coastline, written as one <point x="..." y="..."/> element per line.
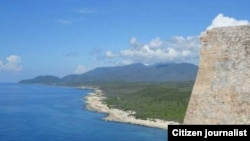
<point x="94" y="102"/>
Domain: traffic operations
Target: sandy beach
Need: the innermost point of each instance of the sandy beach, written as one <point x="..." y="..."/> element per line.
<point x="95" y="103"/>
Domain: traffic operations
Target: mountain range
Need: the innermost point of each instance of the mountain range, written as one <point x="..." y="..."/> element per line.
<point x="137" y="72"/>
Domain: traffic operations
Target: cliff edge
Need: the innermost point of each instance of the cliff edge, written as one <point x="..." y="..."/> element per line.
<point x="221" y="93"/>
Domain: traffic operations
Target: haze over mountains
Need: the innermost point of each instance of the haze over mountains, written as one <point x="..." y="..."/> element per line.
<point x="129" y="73"/>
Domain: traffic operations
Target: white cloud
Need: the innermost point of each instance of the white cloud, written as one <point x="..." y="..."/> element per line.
<point x="110" y="54"/>
<point x="80" y="69"/>
<point x="176" y="49"/>
<point x="14" y="59"/>
<point x="155" y="43"/>
<point x="12" y="64"/>
<point x="133" y="41"/>
<point x="222" y="21"/>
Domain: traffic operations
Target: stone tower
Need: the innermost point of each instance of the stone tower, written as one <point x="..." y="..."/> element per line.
<point x="221" y="93"/>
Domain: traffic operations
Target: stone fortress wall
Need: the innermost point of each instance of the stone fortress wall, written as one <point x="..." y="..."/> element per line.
<point x="221" y="93"/>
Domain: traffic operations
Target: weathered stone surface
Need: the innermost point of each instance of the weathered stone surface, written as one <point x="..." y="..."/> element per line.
<point x="221" y="93"/>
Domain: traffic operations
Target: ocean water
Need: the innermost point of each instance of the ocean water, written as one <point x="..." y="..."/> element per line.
<point x="47" y="113"/>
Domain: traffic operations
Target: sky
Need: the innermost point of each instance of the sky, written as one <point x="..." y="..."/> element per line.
<point x="62" y="37"/>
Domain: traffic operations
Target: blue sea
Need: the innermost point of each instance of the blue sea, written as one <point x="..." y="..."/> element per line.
<point x="47" y="113"/>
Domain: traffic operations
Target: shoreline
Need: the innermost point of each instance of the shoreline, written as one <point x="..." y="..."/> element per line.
<point x="94" y="102"/>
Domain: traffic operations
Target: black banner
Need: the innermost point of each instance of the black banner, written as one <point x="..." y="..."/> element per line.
<point x="208" y="132"/>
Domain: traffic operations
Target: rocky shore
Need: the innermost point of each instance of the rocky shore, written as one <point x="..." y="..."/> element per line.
<point x="95" y="103"/>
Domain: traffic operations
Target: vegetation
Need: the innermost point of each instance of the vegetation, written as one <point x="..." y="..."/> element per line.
<point x="154" y="100"/>
<point x="165" y="100"/>
<point x="147" y="90"/>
